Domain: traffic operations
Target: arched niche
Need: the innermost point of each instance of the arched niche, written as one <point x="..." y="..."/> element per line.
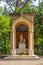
<point x="22" y="29"/>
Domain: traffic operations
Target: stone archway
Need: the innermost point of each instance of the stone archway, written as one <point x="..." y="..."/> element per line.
<point x="29" y="24"/>
<point x="14" y="35"/>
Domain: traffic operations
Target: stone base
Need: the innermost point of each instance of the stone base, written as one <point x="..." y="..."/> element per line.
<point x="21" y="57"/>
<point x="13" y="52"/>
<point x="28" y="51"/>
<point x="31" y="52"/>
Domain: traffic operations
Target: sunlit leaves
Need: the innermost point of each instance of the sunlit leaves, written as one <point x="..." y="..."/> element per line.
<point x="4" y="33"/>
<point x="4" y="23"/>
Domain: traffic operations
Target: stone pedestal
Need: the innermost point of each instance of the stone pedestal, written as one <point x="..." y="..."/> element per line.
<point x="14" y="52"/>
<point x="31" y="52"/>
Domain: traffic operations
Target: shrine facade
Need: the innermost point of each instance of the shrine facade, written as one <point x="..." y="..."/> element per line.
<point x="22" y="24"/>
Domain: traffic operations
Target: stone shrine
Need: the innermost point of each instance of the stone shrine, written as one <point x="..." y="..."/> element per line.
<point x="22" y="35"/>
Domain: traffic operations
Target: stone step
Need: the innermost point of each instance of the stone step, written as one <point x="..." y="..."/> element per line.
<point x="21" y="57"/>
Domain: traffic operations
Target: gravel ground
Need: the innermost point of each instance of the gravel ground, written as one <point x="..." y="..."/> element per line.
<point x="22" y="62"/>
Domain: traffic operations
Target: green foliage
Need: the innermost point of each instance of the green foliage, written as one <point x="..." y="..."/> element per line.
<point x="30" y="8"/>
<point x="27" y="8"/>
<point x="16" y="10"/>
<point x="39" y="30"/>
<point x="22" y="53"/>
<point x="4" y="34"/>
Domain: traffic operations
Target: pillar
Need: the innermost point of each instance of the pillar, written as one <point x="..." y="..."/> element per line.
<point x="31" y="49"/>
<point x="13" y="42"/>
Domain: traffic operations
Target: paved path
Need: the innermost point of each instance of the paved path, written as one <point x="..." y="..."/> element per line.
<point x="22" y="62"/>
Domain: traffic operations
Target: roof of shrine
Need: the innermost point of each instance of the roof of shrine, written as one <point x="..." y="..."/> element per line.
<point x="28" y="16"/>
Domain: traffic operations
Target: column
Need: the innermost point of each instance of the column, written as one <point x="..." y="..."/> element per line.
<point x="13" y="43"/>
<point x="31" y="50"/>
<point x="30" y="40"/>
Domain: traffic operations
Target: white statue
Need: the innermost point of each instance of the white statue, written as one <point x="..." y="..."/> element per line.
<point x="22" y="43"/>
<point x="21" y="38"/>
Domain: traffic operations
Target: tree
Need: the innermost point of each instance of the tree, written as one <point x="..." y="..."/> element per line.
<point x="16" y="3"/>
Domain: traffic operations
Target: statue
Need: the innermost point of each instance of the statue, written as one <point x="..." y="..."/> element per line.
<point x="22" y="43"/>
